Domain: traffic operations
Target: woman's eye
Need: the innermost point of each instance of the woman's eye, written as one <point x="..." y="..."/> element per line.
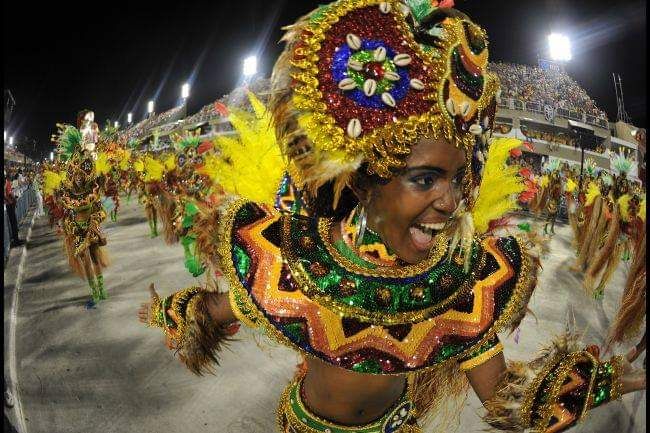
<point x="424" y="180"/>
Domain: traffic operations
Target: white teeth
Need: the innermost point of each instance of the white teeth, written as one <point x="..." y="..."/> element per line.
<point x="433" y="226"/>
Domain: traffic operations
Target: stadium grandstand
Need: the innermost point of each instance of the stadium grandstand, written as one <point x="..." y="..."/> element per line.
<point x="536" y="105"/>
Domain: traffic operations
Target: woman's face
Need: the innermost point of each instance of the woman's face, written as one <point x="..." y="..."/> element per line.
<point x="415" y="205"/>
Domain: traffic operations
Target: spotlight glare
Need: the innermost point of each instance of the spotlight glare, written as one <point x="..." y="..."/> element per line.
<point x="185" y="91"/>
<point x="559" y="47"/>
<point x="129" y="117"/>
<point x="250" y="66"/>
<point x="150" y="107"/>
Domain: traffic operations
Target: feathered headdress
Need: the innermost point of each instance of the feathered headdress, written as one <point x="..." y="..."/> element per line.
<point x="345" y="94"/>
<point x="249" y="165"/>
<point x="621" y="163"/>
<point x="68" y="141"/>
<point x="552" y="165"/>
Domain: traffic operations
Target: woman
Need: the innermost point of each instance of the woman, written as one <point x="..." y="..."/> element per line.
<point x="390" y="287"/>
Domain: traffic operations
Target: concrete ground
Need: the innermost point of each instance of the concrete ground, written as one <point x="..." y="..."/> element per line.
<point x="102" y="371"/>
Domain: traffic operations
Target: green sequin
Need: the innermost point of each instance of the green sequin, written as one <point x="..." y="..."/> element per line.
<point x="364" y="56"/>
<point x="437" y="284"/>
<point x="367" y="366"/>
<point x="242" y="261"/>
<point x="295" y="331"/>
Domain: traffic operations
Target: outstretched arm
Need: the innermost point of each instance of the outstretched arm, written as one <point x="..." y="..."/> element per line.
<point x="196" y="323"/>
<point x="551" y="393"/>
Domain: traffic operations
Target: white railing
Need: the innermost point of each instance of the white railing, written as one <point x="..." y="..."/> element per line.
<point x="538" y="107"/>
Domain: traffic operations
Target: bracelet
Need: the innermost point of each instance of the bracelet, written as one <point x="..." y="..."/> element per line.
<point x="566" y="387"/>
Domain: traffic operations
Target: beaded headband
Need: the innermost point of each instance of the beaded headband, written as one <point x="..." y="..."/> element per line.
<point x="363" y="80"/>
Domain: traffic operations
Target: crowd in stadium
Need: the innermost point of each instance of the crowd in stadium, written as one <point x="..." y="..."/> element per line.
<point x="554" y="88"/>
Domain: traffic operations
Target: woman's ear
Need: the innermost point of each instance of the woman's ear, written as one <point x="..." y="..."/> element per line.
<point x="361" y="188"/>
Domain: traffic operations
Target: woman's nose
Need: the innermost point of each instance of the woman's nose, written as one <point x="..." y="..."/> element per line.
<point x="448" y="200"/>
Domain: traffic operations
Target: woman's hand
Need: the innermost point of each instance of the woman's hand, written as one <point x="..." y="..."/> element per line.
<point x="145" y="307"/>
<point x="633" y="379"/>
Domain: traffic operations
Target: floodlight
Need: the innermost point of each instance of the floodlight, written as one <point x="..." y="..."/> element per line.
<point x="116" y="124"/>
<point x="559" y="47"/>
<point x="250" y="66"/>
<point x="150" y="107"/>
<point x="129" y="117"/>
<point x="185" y="91"/>
<point x="11" y="140"/>
<point x="51" y="156"/>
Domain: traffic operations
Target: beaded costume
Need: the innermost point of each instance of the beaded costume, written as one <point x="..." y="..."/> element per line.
<point x="75" y="195"/>
<point x="358" y="84"/>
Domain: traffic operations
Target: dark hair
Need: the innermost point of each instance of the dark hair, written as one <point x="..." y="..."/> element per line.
<point x="322" y="205"/>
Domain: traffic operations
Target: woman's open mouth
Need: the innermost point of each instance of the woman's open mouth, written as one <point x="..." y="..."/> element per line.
<point x="422" y="235"/>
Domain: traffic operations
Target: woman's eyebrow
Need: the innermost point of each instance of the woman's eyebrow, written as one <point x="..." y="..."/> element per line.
<point x="425" y="168"/>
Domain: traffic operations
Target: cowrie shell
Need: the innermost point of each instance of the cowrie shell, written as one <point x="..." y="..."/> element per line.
<point x="402" y="59"/>
<point x="476" y="129"/>
<point x="464" y="108"/>
<point x="451" y="107"/>
<point x="369" y="87"/>
<point x="379" y="54"/>
<point x="355" y="65"/>
<point x="347" y="84"/>
<point x="392" y="76"/>
<point x="486" y="122"/>
<point x="354" y="128"/>
<point x="353" y="41"/>
<point x="417" y="84"/>
<point x="385" y="7"/>
<point x="388" y="99"/>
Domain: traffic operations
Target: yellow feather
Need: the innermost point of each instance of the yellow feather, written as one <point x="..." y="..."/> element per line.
<point x="570" y="185"/>
<point x="592" y="192"/>
<point x="153" y="170"/>
<point x="51" y="182"/>
<point x="170" y="162"/>
<point x="544" y="181"/>
<point x="102" y="166"/>
<point x="624" y="205"/>
<point x="251" y="165"/>
<point x="499" y="186"/>
<point x="138" y="165"/>
<point x="126" y="158"/>
<point x="642" y="209"/>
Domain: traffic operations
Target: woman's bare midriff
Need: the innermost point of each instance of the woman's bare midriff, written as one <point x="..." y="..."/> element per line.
<point x="347" y="397"/>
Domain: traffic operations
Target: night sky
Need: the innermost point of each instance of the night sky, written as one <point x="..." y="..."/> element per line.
<point x="112" y="57"/>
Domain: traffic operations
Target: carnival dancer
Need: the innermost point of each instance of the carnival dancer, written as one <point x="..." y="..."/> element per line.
<point x="80" y="196"/>
<point x="391" y="288"/>
<point x="632" y="311"/>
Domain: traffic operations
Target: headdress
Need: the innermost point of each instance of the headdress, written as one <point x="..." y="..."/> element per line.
<point x="360" y="81"/>
<point x="621" y="163"/>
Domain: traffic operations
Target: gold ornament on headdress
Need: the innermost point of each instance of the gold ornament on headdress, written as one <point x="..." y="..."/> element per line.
<point x="364" y="80"/>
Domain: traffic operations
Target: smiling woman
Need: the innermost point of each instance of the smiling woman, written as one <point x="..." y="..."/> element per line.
<point x="376" y="262"/>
